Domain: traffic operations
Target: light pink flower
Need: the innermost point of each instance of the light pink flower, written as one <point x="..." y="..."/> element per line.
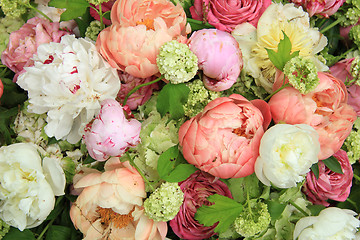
<point x="329" y="185"/>
<point x="325" y="109"/>
<point x="224" y="138"/>
<point x="219" y="57"/>
<point x="110" y="205"/>
<point x="138" y="98"/>
<point x="106" y="6"/>
<point x="24" y="42"/>
<point x="196" y="189"/>
<point x="111" y="134"/>
<point x="325" y="8"/>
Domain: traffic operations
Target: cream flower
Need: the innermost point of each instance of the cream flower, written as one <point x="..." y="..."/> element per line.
<point x="68" y="81"/>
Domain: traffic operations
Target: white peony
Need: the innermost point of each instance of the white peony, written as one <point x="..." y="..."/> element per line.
<point x="68" y="82"/>
<point x="286" y="154"/>
<point x="332" y="223"/>
<point x="26" y="196"/>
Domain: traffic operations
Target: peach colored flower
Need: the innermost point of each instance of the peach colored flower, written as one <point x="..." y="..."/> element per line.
<point x="224" y="138"/>
<point x="110" y="205"/>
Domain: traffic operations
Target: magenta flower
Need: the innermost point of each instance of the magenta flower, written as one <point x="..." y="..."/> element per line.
<point x="111" y="134"/>
<point x="106" y="6"/>
<point x="325" y="8"/>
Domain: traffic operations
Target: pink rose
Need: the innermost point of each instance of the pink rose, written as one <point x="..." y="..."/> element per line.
<point x="24" y="42"/>
<point x="329" y="185"/>
<point x="106" y="6"/>
<point x="226" y="15"/>
<point x="219" y="57"/>
<point x="196" y="189"/>
<point x="224" y="138"/>
<point x="110" y="205"/>
<point x="325" y="109"/>
<point x="111" y="134"/>
<point x="128" y="82"/>
<point x="325" y="8"/>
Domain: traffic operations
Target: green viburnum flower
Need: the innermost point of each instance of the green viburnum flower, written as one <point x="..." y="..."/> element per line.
<point x="348" y="13"/>
<point x="198" y="98"/>
<point x="164" y="203"/>
<point x="14" y="8"/>
<point x="4" y="228"/>
<point x="302" y="74"/>
<point x="176" y="62"/>
<point x="354" y="35"/>
<point x="352" y="143"/>
<point x="92" y="31"/>
<point x="97" y="2"/>
<point x="7" y="26"/>
<point x="355" y="70"/>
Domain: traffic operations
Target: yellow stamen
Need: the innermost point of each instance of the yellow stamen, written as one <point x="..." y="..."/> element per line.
<point x="108" y="216"/>
<point x="149" y="23"/>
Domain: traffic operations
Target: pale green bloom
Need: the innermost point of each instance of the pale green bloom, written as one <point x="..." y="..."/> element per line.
<point x="14" y="8"/>
<point x="92" y="31"/>
<point x="176" y="62"/>
<point x="348" y="13"/>
<point x="4" y="228"/>
<point x="355" y="70"/>
<point x="164" y="203"/>
<point x="7" y="26"/>
<point x="97" y="2"/>
<point x="352" y="143"/>
<point x="354" y="35"/>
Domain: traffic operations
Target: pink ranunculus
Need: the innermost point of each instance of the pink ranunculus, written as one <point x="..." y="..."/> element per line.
<point x="106" y="6"/>
<point x="226" y="15"/>
<point x="196" y="189"/>
<point x="329" y="185"/>
<point x="128" y="82"/>
<point x="110" y="205"/>
<point x="24" y="42"/>
<point x="325" y="109"/>
<point x="139" y="28"/>
<point x="325" y="8"/>
<point x="1" y="88"/>
<point x="111" y="134"/>
<point x="219" y="57"/>
<point x="224" y="138"/>
<point x="341" y="70"/>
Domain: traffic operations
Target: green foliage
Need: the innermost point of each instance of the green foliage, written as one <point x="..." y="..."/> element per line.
<point x="275" y="209"/>
<point x="74" y="8"/>
<point x="315" y="209"/>
<point x="16" y="234"/>
<point x="315" y="170"/>
<point x="333" y="164"/>
<point x="6" y="118"/>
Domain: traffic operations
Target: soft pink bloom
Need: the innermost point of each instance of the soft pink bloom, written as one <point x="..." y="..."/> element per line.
<point x="139" y="28"/>
<point x="24" y="42"/>
<point x="106" y="6"/>
<point x="325" y="109"/>
<point x="138" y="98"/>
<point x="1" y="88"/>
<point x="110" y="205"/>
<point x="226" y="15"/>
<point x="111" y="133"/>
<point x="224" y="138"/>
<point x="219" y="57"/>
<point x="196" y="189"/>
<point x="325" y="8"/>
<point x="330" y="185"/>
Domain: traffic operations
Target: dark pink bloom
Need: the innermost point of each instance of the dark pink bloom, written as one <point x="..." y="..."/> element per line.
<point x="1" y="88"/>
<point x="324" y="8"/>
<point x="106" y="6"/>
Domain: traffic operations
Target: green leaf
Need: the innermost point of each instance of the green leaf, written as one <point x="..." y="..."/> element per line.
<point x="224" y="210"/>
<point x="107" y="15"/>
<point x="6" y="118"/>
<point x="333" y="164"/>
<point x="74" y="8"/>
<point x="171" y="99"/>
<point x="16" y="234"/>
<point x="315" y="170"/>
<point x="56" y="232"/>
<point x="315" y="209"/>
<point x="180" y="173"/>
<point x="275" y="209"/>
<point x="59" y="207"/>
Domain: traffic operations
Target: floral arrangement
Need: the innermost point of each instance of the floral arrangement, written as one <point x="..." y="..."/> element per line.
<point x="181" y="119"/>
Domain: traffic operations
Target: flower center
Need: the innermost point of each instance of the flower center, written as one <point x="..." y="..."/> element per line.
<point x="149" y="23"/>
<point x="107" y="216"/>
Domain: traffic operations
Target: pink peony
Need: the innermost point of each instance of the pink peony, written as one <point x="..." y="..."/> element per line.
<point x="224" y="138"/>
<point x="330" y="185"/>
<point x="325" y="8"/>
<point x="111" y="134"/>
<point x="128" y="82"/>
<point x="24" y="42"/>
<point x="196" y="189"/>
<point x="226" y="15"/>
<point x="138" y="30"/>
<point x="325" y="109"/>
<point x="110" y="205"/>
<point x="219" y="57"/>
<point x="106" y="6"/>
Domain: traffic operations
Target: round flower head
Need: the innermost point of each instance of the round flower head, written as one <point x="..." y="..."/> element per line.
<point x="354" y="35"/>
<point x="97" y="2"/>
<point x="92" y="31"/>
<point x="14" y="8"/>
<point x="176" y="62"/>
<point x="164" y="203"/>
<point x="7" y="26"/>
<point x="355" y="70"/>
<point x="352" y="143"/>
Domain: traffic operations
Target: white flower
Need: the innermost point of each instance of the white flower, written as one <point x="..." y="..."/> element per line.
<point x="26" y="197"/>
<point x="286" y="154"/>
<point x="332" y="223"/>
<point x="68" y="82"/>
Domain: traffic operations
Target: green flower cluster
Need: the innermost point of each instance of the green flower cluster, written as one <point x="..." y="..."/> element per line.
<point x="355" y="70"/>
<point x="93" y="30"/>
<point x="176" y="62"/>
<point x="302" y="74"/>
<point x="97" y="2"/>
<point x="348" y="13"/>
<point x="4" y="228"/>
<point x="352" y="143"/>
<point x="7" y="26"/>
<point x="198" y="98"/>
<point x="164" y="203"/>
<point x="14" y="8"/>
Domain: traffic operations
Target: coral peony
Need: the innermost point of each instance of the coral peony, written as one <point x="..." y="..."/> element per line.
<point x="219" y="57"/>
<point x="325" y="8"/>
<point x="110" y="205"/>
<point x="226" y="15"/>
<point x="224" y="138"/>
<point x="105" y="7"/>
<point x="111" y="134"/>
<point x="325" y="109"/>
<point x="24" y="42"/>
<point x="196" y="189"/>
<point x="329" y="184"/>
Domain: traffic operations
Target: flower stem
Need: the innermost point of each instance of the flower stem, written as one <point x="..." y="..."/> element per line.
<point x="278" y="90"/>
<point x="333" y="24"/>
<point x="45" y="229"/>
<point x="140" y="172"/>
<point x="205" y="24"/>
<point x="356" y="177"/>
<point x="298" y="208"/>
<point x="40" y="12"/>
<point x="140" y="86"/>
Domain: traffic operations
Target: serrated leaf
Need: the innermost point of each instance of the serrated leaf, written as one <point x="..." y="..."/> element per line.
<point x="275" y="209"/>
<point x="224" y="210"/>
<point x="74" y="8"/>
<point x="315" y="170"/>
<point x="171" y="99"/>
<point x="16" y="234"/>
<point x="333" y="164"/>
